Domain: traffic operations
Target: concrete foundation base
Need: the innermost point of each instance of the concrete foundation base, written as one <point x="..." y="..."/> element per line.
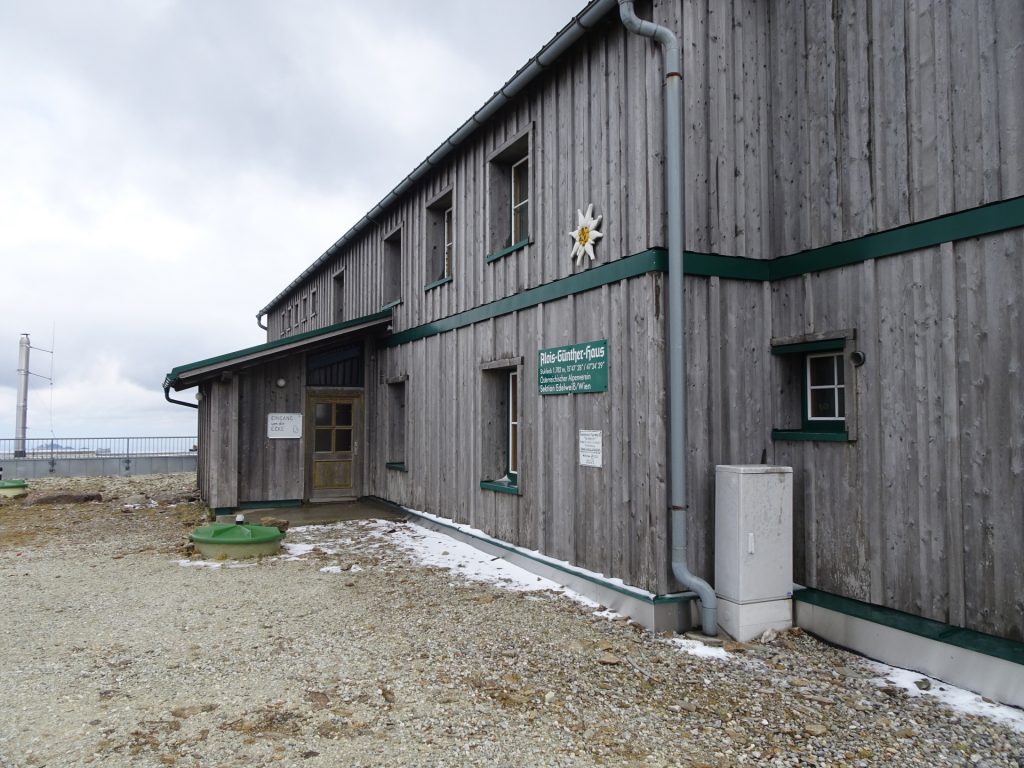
<point x="996" y="678"/>
<point x="748" y="621"/>
<point x="658" y="613"/>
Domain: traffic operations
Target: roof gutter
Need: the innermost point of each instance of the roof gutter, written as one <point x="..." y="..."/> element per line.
<point x="529" y="72"/>
<point x="676" y="304"/>
<point x="169" y="399"/>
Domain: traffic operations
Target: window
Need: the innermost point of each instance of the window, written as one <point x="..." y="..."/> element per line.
<point x="520" y="200"/>
<point x="508" y="198"/>
<point x="339" y="296"/>
<point x="393" y="268"/>
<point x="826" y="395"/>
<point x="312" y="303"/>
<point x="284" y="323"/>
<point x="440" y="240"/>
<point x="814" y="374"/>
<point x="512" y="473"/>
<point x="305" y="309"/>
<point x="396" y="424"/>
<point x="502" y="426"/>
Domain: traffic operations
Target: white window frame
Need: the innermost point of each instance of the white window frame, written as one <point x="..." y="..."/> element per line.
<point x="449" y="240"/>
<point x="512" y="417"/>
<point x="525" y="202"/>
<point x="837" y="367"/>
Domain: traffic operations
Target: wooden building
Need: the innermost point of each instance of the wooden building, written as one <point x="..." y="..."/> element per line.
<point x="854" y="280"/>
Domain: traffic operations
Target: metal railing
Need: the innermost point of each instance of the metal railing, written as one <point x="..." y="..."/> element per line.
<point x="96" y="447"/>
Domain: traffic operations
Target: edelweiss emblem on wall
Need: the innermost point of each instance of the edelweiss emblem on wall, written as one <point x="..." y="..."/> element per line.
<point x="585" y="235"/>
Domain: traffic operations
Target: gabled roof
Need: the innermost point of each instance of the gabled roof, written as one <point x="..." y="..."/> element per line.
<point x="185" y="376"/>
<point x="559" y="44"/>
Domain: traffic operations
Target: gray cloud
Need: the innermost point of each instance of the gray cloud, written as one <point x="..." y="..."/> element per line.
<point x="169" y="166"/>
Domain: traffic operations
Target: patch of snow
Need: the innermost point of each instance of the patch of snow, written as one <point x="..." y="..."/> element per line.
<point x="198" y="564"/>
<point x="213" y="564"/>
<point x="699" y="649"/>
<point x="297" y="550"/>
<point x="958" y="699"/>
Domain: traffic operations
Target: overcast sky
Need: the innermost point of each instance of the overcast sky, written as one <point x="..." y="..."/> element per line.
<point x="168" y="166"/>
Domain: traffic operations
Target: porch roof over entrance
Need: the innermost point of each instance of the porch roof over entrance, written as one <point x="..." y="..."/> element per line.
<point x="186" y="376"/>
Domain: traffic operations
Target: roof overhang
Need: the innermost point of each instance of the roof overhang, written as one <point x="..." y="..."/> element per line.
<point x="191" y="374"/>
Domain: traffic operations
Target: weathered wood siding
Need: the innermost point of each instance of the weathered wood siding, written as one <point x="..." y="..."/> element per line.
<point x="596" y="137"/>
<point x="272" y="470"/>
<point x="610" y="520"/>
<point x="888" y="113"/>
<point x="923" y="512"/>
<point x="221" y="419"/>
<point x="884" y="112"/>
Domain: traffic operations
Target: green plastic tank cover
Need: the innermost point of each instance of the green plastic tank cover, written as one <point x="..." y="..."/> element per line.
<point x="236" y="533"/>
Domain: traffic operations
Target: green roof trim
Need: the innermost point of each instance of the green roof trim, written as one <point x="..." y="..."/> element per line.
<point x="969" y="639"/>
<point x="171" y="378"/>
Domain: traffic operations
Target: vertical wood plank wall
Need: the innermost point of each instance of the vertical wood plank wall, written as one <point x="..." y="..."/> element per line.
<point x="610" y="520"/>
<point x="272" y="469"/>
<point x="588" y="146"/>
<point x="889" y="113"/>
<point x="807" y="123"/>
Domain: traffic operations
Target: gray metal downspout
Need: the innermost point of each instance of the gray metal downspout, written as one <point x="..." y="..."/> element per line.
<point x="676" y="304"/>
<point x="169" y="399"/>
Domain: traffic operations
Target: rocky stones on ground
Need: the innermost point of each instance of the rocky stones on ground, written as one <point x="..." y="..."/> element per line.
<point x="113" y="653"/>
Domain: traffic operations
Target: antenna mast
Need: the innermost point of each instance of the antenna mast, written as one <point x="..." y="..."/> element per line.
<point x="21" y="418"/>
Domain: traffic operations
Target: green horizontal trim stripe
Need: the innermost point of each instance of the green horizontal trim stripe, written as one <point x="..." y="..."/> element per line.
<point x="969" y="639"/>
<point x="653" y="260"/>
<point x="437" y="283"/>
<point x="974" y="222"/>
<point x="734" y="267"/>
<point x="681" y="597"/>
<point x="824" y="345"/>
<point x="271" y="345"/>
<point x="506" y="251"/>
<point x="799" y="435"/>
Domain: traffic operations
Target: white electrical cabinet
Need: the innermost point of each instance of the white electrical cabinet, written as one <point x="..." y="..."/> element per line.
<point x="753" y="548"/>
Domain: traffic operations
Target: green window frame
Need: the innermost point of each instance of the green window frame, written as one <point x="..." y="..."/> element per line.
<point x="501" y="422"/>
<point x="824" y="400"/>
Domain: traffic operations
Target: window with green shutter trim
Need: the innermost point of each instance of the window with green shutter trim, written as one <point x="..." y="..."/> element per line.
<point x="816" y="402"/>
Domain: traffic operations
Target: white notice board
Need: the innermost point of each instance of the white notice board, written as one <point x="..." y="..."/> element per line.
<point x="284" y="425"/>
<point x="590" y="448"/>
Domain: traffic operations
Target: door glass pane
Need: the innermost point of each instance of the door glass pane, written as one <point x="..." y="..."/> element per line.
<point x="322" y="441"/>
<point x="343" y="440"/>
<point x="343" y="414"/>
<point x="322" y="417"/>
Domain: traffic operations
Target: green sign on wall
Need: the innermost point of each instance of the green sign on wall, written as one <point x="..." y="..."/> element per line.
<point x="574" y="369"/>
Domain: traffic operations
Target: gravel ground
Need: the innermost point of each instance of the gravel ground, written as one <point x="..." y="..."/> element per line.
<point x="113" y="653"/>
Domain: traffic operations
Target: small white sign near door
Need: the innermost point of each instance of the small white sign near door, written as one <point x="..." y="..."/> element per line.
<point x="281" y="425"/>
<point x="590" y="448"/>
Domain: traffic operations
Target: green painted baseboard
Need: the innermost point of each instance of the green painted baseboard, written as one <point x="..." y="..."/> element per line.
<point x="969" y="639"/>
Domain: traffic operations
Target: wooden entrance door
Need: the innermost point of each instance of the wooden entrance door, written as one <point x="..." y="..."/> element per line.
<point x="335" y="460"/>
